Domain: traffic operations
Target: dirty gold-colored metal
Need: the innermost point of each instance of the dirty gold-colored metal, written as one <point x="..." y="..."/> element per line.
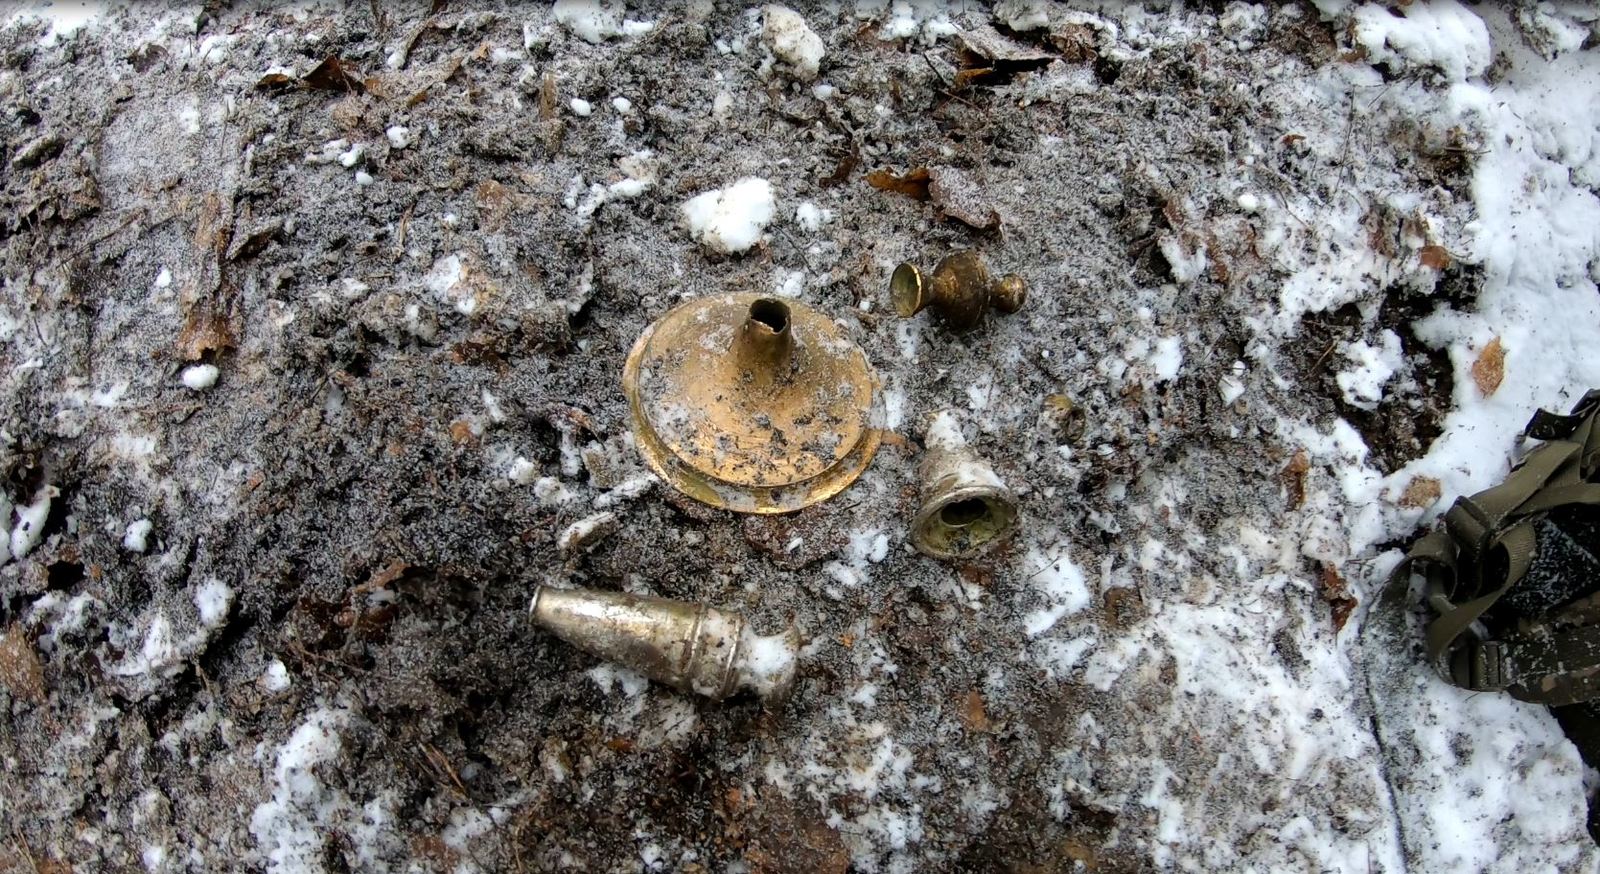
<point x="965" y="507"/>
<point x="961" y="291"/>
<point x="752" y="403"/>
<point x="690" y="647"/>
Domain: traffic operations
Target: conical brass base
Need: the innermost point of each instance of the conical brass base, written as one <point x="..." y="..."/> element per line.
<point x="752" y="403"/>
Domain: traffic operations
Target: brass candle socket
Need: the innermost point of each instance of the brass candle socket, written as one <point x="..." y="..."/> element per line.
<point x="961" y="291"/>
<point x="965" y="507"/>
<point x="690" y="647"/>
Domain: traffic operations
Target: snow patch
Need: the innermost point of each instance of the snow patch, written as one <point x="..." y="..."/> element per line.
<point x="731" y="220"/>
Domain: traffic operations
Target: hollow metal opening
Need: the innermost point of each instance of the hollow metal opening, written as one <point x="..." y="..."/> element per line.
<point x="959" y="514"/>
<point x="773" y="314"/>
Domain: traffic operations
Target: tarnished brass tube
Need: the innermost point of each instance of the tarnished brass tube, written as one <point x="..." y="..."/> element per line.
<point x="965" y="507"/>
<point x="764" y="342"/>
<point x="690" y="647"/>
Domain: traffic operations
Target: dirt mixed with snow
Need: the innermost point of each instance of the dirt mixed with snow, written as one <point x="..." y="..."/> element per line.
<point x="306" y="366"/>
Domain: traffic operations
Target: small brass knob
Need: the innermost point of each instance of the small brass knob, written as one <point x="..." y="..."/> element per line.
<point x="961" y="290"/>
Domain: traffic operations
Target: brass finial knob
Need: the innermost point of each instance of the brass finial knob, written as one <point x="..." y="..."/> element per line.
<point x="960" y="291"/>
<point x="751" y="403"/>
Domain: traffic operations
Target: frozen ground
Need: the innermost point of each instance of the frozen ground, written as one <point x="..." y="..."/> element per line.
<point x="299" y="389"/>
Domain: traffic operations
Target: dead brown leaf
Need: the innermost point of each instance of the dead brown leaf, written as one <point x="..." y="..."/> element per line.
<point x="913" y="184"/>
<point x="1436" y="257"/>
<point x="20" y="670"/>
<point x="1421" y="492"/>
<point x="973" y="714"/>
<point x="1337" y="593"/>
<point x="842" y="170"/>
<point x="277" y="83"/>
<point x="1490" y="368"/>
<point x="330" y="75"/>
<point x="333" y="75"/>
<point x="1294" y="477"/>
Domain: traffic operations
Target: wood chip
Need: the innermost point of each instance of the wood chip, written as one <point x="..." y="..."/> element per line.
<point x="20" y="670"/>
<point x="973" y="714"/>
<point x="1490" y="368"/>
<point x="1294" y="477"/>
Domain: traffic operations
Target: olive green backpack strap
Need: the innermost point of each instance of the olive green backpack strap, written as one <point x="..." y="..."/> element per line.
<point x="1485" y="549"/>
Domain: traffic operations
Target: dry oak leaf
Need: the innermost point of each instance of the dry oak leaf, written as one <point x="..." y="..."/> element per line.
<point x="1421" y="492"/>
<point x="1490" y="368"/>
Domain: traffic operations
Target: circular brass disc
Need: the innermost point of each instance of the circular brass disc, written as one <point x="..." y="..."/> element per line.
<point x="734" y="431"/>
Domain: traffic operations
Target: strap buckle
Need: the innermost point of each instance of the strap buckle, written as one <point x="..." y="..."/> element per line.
<point x="1482" y="666"/>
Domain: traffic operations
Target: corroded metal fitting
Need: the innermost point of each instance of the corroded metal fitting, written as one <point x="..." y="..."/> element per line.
<point x="752" y="403"/>
<point x="690" y="647"/>
<point x="965" y="507"/>
<point x="961" y="291"/>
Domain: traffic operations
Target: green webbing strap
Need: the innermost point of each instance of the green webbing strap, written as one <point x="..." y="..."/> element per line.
<point x="1486" y="548"/>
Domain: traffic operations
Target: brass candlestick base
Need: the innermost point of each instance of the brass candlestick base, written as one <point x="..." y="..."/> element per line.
<point x="960" y="291"/>
<point x="752" y="403"/>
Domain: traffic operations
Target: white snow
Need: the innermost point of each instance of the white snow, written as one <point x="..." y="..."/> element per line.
<point x="580" y="107"/>
<point x="1061" y="583"/>
<point x="581" y="534"/>
<point x="212" y="599"/>
<point x="522" y="471"/>
<point x="1440" y="34"/>
<point x="276" y="676"/>
<point x="292" y="825"/>
<point x="1187" y="258"/>
<point x="596" y="21"/>
<point x="731" y="220"/>
<point x="622" y="105"/>
<point x="352" y="156"/>
<point x="1362" y="384"/>
<point x="199" y="377"/>
<point x="943" y="431"/>
<point x="399" y="136"/>
<point x="31" y="517"/>
<point x="590" y="20"/>
<point x="767" y="661"/>
<point x="785" y="33"/>
<point x="811" y="217"/>
<point x="1166" y="358"/>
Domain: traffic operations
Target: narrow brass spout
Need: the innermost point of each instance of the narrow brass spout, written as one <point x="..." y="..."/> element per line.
<point x="765" y="343"/>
